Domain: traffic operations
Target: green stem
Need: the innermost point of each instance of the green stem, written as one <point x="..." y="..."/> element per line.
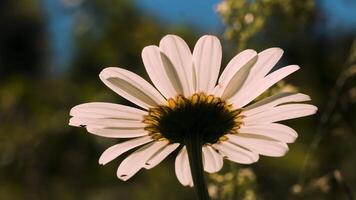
<point x="194" y="147"/>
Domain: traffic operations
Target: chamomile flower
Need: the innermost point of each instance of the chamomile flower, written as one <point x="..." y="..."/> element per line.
<point x="190" y="107"/>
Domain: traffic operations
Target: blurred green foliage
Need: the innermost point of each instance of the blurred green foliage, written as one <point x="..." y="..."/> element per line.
<point x="41" y="157"/>
<point x="245" y="19"/>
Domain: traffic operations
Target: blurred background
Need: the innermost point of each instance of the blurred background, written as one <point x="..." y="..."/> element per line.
<point x="51" y="52"/>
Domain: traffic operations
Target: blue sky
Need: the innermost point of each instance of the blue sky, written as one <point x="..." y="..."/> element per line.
<point x="199" y="13"/>
<point x="340" y="15"/>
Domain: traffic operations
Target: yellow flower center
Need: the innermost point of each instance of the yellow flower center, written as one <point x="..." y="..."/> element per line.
<point x="206" y="115"/>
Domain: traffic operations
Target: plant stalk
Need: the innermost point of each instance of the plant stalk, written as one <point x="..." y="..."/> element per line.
<point x="194" y="146"/>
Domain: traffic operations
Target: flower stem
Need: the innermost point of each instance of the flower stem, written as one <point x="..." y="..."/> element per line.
<point x="194" y="147"/>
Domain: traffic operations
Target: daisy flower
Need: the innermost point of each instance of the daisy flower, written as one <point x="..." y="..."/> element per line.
<point x="190" y="108"/>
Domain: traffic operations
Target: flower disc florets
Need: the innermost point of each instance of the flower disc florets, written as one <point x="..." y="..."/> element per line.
<point x="209" y="116"/>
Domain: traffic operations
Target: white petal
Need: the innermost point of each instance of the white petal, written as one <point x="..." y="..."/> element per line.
<point x="235" y="73"/>
<point x="161" y="71"/>
<point x="280" y="113"/>
<point x="132" y="87"/>
<point x="267" y="59"/>
<point x="107" y="110"/>
<point x="236" y="153"/>
<point x="274" y="100"/>
<point x="207" y="60"/>
<point x="182" y="168"/>
<point x="275" y="131"/>
<point x="109" y="120"/>
<point x="118" y="149"/>
<point x="122" y="132"/>
<point x="259" y="86"/>
<point x="160" y="156"/>
<point x="105" y="122"/>
<point x="179" y="54"/>
<point x="259" y="144"/>
<point x="265" y="62"/>
<point x="213" y="162"/>
<point x="134" y="162"/>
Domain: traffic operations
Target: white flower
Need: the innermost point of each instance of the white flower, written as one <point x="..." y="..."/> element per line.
<point x="189" y="100"/>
